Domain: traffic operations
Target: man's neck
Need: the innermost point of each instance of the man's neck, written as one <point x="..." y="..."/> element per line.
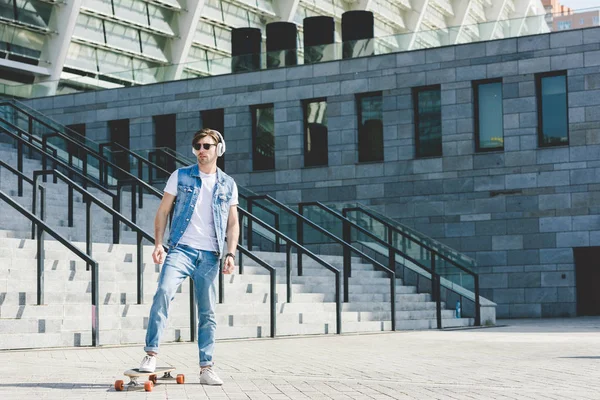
<point x="208" y="169"/>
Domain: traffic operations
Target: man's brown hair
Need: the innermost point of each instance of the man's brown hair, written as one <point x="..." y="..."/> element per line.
<point x="206" y="132"/>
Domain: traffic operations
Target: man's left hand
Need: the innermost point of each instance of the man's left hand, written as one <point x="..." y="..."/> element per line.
<point x="229" y="265"/>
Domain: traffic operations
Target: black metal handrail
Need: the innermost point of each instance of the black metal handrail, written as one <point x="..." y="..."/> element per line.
<point x="348" y="250"/>
<point x="87" y="150"/>
<point x="88" y="199"/>
<point x="272" y="285"/>
<point x="90" y="262"/>
<point x="391" y="227"/>
<point x="116" y="199"/>
<point x="300" y="250"/>
<point x="134" y="181"/>
<point x="392" y="251"/>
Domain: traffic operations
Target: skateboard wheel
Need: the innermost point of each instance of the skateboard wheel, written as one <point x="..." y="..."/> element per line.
<point x="119" y="386"/>
<point x="152" y="379"/>
<point x="148" y="385"/>
<point x="180" y="379"/>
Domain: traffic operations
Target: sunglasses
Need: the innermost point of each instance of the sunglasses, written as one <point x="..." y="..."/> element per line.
<point x="205" y="145"/>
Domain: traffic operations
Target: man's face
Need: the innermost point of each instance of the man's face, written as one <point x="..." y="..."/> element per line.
<point x="206" y="157"/>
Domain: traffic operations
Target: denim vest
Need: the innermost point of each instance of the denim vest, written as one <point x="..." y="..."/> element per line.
<point x="188" y="190"/>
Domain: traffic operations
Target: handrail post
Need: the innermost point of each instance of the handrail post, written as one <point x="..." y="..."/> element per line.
<point x="249" y="235"/>
<point x="85" y="167"/>
<point x="193" y="311"/>
<point x="221" y="281"/>
<point x="338" y="304"/>
<point x="241" y="241"/>
<point x="95" y="310"/>
<point x="300" y="237"/>
<point x="273" y="307"/>
<point x="133" y="205"/>
<point x="477" y="302"/>
<point x="277" y="246"/>
<point x="117" y="208"/>
<point x="435" y="280"/>
<point x="288" y="270"/>
<point x="140" y="270"/>
<point x="40" y="249"/>
<point x="88" y="226"/>
<point x="20" y="168"/>
<point x="347" y="259"/>
<point x="33" y="204"/>
<point x="70" y="206"/>
<point x="44" y="157"/>
<point x="393" y="298"/>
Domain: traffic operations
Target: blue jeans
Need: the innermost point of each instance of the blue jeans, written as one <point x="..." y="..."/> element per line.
<point x="203" y="267"/>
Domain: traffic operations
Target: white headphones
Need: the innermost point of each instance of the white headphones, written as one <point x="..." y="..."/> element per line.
<point x="220" y="145"/>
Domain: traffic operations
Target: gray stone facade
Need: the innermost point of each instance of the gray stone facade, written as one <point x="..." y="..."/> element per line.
<point x="518" y="212"/>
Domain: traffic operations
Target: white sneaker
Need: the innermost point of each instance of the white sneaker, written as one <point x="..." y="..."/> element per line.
<point x="148" y="364"/>
<point x="209" y="377"/>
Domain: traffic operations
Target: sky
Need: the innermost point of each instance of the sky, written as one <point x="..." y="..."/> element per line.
<point x="579" y="4"/>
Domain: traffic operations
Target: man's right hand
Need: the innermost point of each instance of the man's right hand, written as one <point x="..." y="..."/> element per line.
<point x="158" y="255"/>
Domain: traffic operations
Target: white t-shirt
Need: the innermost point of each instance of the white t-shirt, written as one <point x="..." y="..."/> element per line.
<point x="200" y="233"/>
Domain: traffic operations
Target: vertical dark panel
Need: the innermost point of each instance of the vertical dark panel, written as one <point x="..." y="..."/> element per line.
<point x="245" y="49"/>
<point x="263" y="137"/>
<point x="77" y="132"/>
<point x="316" y="147"/>
<point x="587" y="280"/>
<point x="357" y="32"/>
<point x="119" y="133"/>
<point x="319" y="36"/>
<point x="428" y="121"/>
<point x="165" y="135"/>
<point x="215" y="119"/>
<point x="370" y="127"/>
<point x="553" y="115"/>
<point x="281" y="44"/>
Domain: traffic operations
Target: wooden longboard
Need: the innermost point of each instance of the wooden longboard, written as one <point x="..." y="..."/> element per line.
<point x="153" y="377"/>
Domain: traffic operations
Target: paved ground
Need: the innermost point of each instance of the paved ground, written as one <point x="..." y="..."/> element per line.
<point x="526" y="359"/>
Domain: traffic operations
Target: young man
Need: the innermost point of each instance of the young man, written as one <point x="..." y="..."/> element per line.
<point x="205" y="214"/>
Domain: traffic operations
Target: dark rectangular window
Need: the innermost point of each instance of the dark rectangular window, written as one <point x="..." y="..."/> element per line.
<point x="315" y="133"/>
<point x="428" y="121"/>
<point x="488" y="118"/>
<point x="119" y="133"/>
<point x="553" y="122"/>
<point x="165" y="135"/>
<point x="370" y="127"/>
<point x="263" y="137"/>
<point x="215" y="119"/>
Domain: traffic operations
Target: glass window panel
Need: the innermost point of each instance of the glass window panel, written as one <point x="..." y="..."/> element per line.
<point x="315" y="133"/>
<point x="489" y="118"/>
<point x="370" y="128"/>
<point x="223" y="39"/>
<point x="113" y="63"/>
<point x="552" y="106"/>
<point x="131" y="10"/>
<point x="6" y="10"/>
<point x="236" y="16"/>
<point x="145" y="72"/>
<point x="89" y="28"/>
<point x="160" y="17"/>
<point x="82" y="57"/>
<point x="20" y="41"/>
<point x="212" y="10"/>
<point x="428" y="122"/>
<point x="34" y="12"/>
<point x="263" y="138"/>
<point x="204" y="35"/>
<point x="152" y="45"/>
<point x="122" y="37"/>
<point x="101" y="6"/>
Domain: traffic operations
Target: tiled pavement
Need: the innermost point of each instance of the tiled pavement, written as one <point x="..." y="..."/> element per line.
<point x="525" y="359"/>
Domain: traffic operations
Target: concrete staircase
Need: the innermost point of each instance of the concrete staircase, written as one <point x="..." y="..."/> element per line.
<point x="65" y="319"/>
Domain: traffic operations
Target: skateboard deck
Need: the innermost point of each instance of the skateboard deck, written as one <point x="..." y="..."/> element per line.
<point x="153" y="377"/>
